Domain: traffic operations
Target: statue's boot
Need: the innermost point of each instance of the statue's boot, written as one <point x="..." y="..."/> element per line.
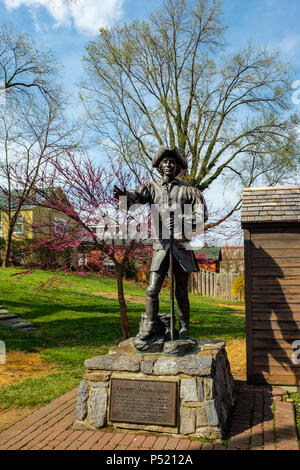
<point x="183" y="310"/>
<point x="150" y="328"/>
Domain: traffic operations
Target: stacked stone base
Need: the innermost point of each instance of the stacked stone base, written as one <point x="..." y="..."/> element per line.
<point x="204" y="388"/>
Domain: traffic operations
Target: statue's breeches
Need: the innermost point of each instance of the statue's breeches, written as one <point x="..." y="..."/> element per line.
<point x="181" y="291"/>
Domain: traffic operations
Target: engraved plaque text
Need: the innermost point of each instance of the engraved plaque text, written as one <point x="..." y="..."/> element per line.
<point x="143" y="402"/>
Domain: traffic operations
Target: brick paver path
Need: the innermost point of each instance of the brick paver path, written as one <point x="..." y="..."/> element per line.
<point x="261" y="421"/>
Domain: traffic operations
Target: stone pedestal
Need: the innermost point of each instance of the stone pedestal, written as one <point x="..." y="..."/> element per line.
<point x="201" y="403"/>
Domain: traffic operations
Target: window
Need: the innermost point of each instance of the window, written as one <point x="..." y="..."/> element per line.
<point x="60" y="225"/>
<point x="19" y="225"/>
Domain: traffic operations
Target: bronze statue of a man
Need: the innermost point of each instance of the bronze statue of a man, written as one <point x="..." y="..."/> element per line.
<point x="168" y="192"/>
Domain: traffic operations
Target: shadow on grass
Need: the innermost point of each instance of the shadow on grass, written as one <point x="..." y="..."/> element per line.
<point x="73" y="317"/>
<point x="99" y="325"/>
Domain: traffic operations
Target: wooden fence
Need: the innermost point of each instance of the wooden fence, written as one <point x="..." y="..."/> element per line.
<point x="213" y="284"/>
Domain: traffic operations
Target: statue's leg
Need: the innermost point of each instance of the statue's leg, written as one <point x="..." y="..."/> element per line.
<point x="152" y="293"/>
<point x="150" y="324"/>
<point x="154" y="287"/>
<point x="182" y="298"/>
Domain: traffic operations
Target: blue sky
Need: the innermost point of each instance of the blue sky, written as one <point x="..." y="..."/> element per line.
<point x="270" y="22"/>
<point x="67" y="41"/>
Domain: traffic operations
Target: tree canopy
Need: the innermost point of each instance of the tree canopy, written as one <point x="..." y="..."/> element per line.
<point x="33" y="128"/>
<point x="169" y="80"/>
<point x="25" y="71"/>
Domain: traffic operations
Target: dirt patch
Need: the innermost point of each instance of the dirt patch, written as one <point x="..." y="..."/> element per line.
<point x="13" y="414"/>
<point x="20" y="366"/>
<point x="236" y="352"/>
<point x="136" y="299"/>
<point x="235" y="307"/>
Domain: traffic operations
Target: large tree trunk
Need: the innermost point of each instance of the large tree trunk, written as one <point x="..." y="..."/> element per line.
<point x="122" y="304"/>
<point x="7" y="249"/>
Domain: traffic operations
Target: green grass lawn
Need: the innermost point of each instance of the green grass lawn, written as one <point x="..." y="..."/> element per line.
<point x="73" y="325"/>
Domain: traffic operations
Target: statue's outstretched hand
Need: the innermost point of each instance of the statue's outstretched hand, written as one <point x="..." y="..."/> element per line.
<point x="117" y="192"/>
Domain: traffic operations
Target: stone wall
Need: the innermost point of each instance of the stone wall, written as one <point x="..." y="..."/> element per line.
<point x="204" y="388"/>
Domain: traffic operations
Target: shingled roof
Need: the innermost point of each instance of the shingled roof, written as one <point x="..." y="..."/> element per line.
<point x="211" y="253"/>
<point x="28" y="204"/>
<point x="271" y="204"/>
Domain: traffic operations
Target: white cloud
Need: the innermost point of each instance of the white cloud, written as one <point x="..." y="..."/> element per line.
<point x="87" y="16"/>
<point x="290" y="44"/>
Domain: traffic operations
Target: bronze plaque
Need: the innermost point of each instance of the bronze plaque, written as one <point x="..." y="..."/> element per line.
<point x="143" y="402"/>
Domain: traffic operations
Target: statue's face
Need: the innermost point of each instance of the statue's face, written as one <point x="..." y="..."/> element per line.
<point x="168" y="167"/>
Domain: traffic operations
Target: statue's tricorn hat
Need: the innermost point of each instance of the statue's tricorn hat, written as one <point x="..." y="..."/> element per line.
<point x="165" y="152"/>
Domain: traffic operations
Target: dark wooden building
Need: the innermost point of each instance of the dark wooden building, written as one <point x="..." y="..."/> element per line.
<point x="271" y="223"/>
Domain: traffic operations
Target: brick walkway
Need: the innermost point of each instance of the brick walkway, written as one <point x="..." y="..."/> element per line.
<point x="261" y="421"/>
